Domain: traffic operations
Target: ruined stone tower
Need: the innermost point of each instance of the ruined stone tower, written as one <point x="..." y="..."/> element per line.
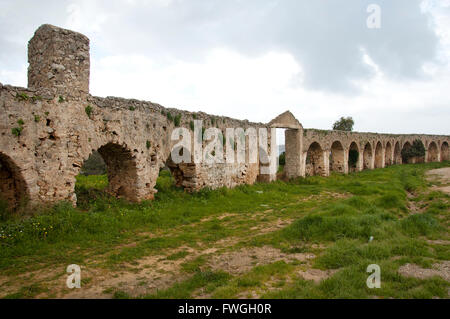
<point x="59" y="62"/>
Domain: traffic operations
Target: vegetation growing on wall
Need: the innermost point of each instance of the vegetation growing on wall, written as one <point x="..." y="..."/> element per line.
<point x="88" y="110"/>
<point x="282" y="159"/>
<point x="415" y="151"/>
<point x="177" y="120"/>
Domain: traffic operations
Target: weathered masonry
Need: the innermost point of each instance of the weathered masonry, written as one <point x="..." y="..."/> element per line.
<point x="50" y="128"/>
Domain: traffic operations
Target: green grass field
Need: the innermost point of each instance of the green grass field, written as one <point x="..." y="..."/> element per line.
<point x="330" y="218"/>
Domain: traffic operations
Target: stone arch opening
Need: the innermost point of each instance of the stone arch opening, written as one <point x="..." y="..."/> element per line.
<point x="337" y="157"/>
<point x="397" y="154"/>
<point x="314" y="160"/>
<point x="13" y="189"/>
<point x="445" y="152"/>
<point x="367" y="156"/>
<point x="111" y="168"/>
<point x="406" y="147"/>
<point x="388" y="154"/>
<point x="353" y="157"/>
<point x="413" y="152"/>
<point x="120" y="169"/>
<point x="433" y="152"/>
<point x="379" y="155"/>
<point x="183" y="174"/>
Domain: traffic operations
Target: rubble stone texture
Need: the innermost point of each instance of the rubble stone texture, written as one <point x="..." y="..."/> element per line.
<point x="49" y="129"/>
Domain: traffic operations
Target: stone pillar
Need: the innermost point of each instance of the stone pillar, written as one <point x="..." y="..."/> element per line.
<point x="303" y="157"/>
<point x="326" y="162"/>
<point x="360" y="164"/>
<point x="383" y="157"/>
<point x="59" y="62"/>
<point x="346" y="152"/>
<point x="391" y="156"/>
<point x="293" y="153"/>
<point x="372" y="160"/>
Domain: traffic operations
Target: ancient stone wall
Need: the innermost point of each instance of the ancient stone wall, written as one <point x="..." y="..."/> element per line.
<point x="49" y="129"/>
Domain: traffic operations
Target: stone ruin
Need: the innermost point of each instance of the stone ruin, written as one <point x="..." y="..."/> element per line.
<point x="49" y="129"/>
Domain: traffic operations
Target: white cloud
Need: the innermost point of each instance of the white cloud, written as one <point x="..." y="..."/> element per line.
<point x="256" y="59"/>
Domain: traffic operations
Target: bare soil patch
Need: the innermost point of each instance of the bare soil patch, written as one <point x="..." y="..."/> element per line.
<point x="238" y="262"/>
<point x="316" y="275"/>
<point x="439" y="269"/>
<point x="441" y="175"/>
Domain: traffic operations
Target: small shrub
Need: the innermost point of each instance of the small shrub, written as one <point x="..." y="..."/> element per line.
<point x="20" y="122"/>
<point x="88" y="110"/>
<point x="37" y="118"/>
<point x="169" y="116"/>
<point x="148" y="144"/>
<point x="416" y="150"/>
<point x="17" y="131"/>
<point x="36" y="98"/>
<point x="22" y="96"/>
<point x="191" y="125"/>
<point x="132" y="108"/>
<point x="61" y="99"/>
<point x="177" y="120"/>
<point x="282" y="158"/>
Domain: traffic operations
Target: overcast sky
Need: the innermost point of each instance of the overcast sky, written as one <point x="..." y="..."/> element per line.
<point x="254" y="59"/>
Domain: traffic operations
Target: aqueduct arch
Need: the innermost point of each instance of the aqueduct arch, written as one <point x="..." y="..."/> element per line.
<point x="433" y="152"/>
<point x="337" y="157"/>
<point x="368" y="156"/>
<point x="120" y="169"/>
<point x="397" y="153"/>
<point x="388" y="154"/>
<point x="379" y="158"/>
<point x="354" y="158"/>
<point x="315" y="160"/>
<point x="406" y="148"/>
<point x="13" y="189"/>
<point x="48" y="129"/>
<point x="445" y="152"/>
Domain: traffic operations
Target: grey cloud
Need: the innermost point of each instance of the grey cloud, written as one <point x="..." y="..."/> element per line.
<point x="325" y="36"/>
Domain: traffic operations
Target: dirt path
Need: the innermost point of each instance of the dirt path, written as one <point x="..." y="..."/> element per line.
<point x="442" y="177"/>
